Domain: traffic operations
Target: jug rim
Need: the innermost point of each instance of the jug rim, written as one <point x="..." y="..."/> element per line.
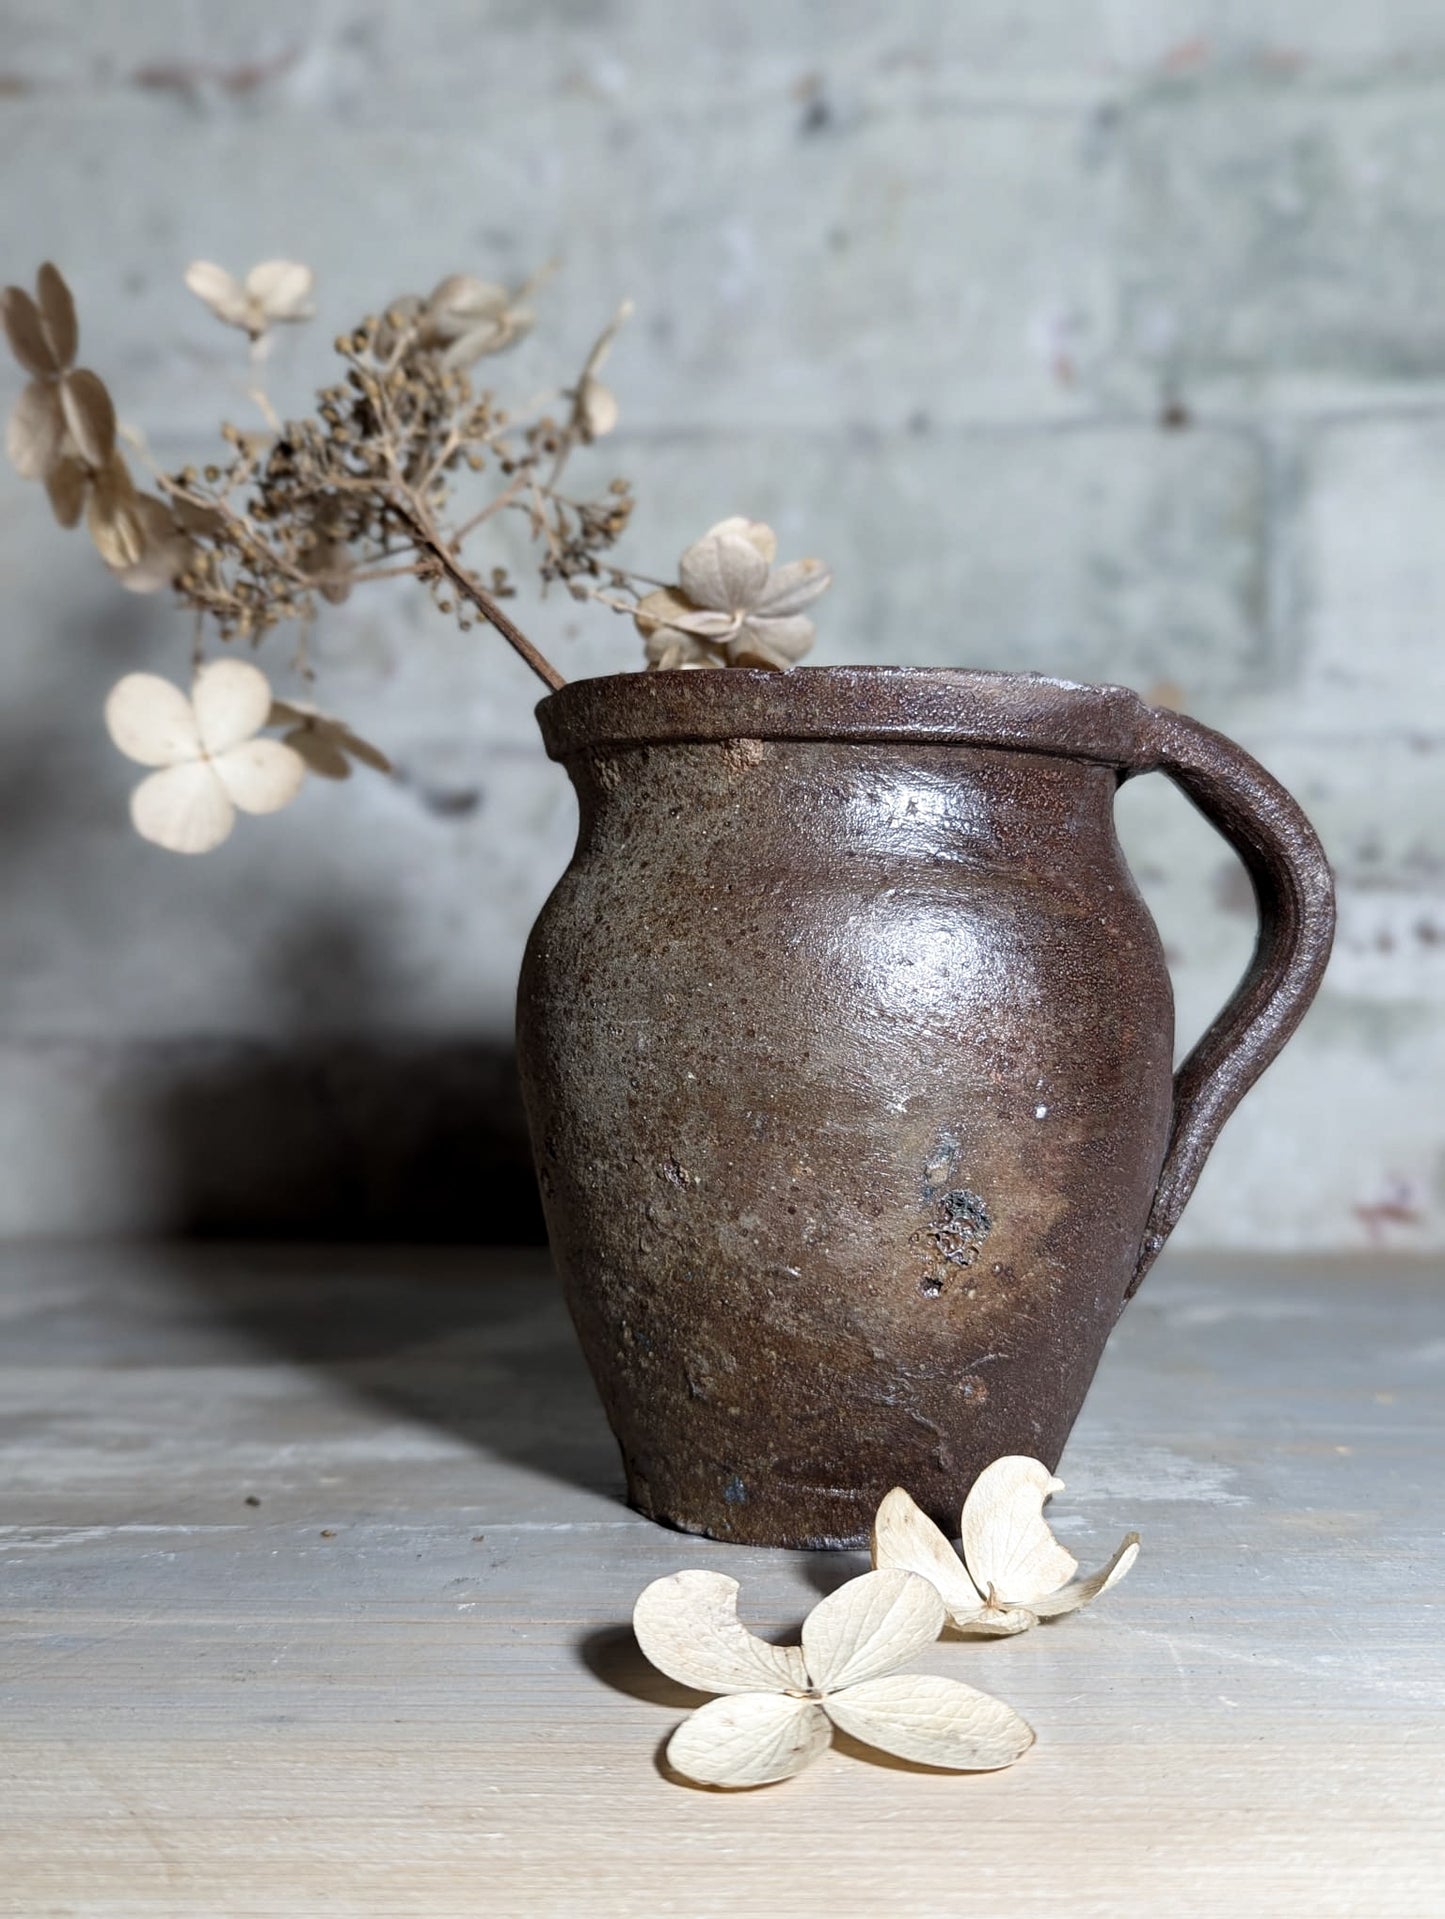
<point x="932" y="705"/>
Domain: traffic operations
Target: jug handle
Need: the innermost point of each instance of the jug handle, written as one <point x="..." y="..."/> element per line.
<point x="1294" y="894"/>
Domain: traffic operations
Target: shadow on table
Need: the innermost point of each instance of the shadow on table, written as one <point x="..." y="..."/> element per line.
<point x="474" y="1342"/>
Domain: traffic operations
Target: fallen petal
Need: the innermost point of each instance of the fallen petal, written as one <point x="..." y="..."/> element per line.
<point x="152" y="721"/>
<point x="232" y="699"/>
<point x="184" y="809"/>
<point x="870" y="1626"/>
<point x="750" y="1739"/>
<point x="1007" y="1545"/>
<point x="905" y="1538"/>
<point x="261" y="776"/>
<point x="933" y="1722"/>
<point x="688" y="1626"/>
<point x="1070" y="1598"/>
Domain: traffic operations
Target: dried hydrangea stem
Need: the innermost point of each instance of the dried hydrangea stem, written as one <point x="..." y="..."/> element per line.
<point x="432" y="543"/>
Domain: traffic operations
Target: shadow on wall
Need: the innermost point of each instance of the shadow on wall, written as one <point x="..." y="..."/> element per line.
<point x="340" y="1129"/>
<point x="349" y="1139"/>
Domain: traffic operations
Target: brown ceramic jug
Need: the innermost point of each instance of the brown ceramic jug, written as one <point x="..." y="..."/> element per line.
<point x="846" y="1043"/>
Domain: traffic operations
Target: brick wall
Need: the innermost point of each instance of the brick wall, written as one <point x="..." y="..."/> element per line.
<point x="1104" y="338"/>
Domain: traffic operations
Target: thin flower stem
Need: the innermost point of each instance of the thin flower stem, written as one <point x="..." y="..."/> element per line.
<point x="430" y="540"/>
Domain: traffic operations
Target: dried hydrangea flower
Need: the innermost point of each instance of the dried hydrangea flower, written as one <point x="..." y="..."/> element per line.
<point x="276" y="291"/>
<point x="779" y="1704"/>
<point x="62" y="430"/>
<point x="327" y="744"/>
<point x="732" y="606"/>
<point x="212" y="762"/>
<point x="468" y="318"/>
<point x="1013" y="1571"/>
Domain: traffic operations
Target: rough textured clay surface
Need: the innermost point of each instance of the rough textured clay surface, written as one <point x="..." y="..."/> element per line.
<point x="846" y="1043"/>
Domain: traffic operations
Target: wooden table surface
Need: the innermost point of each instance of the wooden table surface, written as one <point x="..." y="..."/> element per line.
<point x="316" y="1581"/>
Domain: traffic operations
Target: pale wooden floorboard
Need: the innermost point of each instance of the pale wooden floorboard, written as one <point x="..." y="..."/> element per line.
<point x="403" y="1684"/>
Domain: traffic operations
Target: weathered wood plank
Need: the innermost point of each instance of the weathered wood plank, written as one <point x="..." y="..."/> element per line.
<point x="403" y="1683"/>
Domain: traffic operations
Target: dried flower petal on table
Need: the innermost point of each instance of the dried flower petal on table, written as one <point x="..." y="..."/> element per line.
<point x="275" y="291"/>
<point x="1013" y="1571"/>
<point x="732" y="606"/>
<point x="779" y="1704"/>
<point x="327" y="744"/>
<point x="211" y="761"/>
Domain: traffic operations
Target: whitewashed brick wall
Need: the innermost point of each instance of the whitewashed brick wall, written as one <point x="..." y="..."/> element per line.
<point x="1103" y="337"/>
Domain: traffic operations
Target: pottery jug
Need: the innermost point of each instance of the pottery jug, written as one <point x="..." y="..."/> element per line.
<point x="846" y="1044"/>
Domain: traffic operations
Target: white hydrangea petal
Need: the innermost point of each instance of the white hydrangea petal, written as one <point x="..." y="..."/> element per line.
<point x="749" y="1739"/>
<point x="688" y="1626"/>
<point x="788" y="640"/>
<point x="261" y="776"/>
<point x="221" y="291"/>
<point x="722" y="571"/>
<point x="184" y="809"/>
<point x="906" y="1539"/>
<point x="281" y="288"/>
<point x="790" y="588"/>
<point x="152" y="721"/>
<point x="870" y="1626"/>
<point x="1007" y="1544"/>
<point x="933" y="1722"/>
<point x="756" y="532"/>
<point x="232" y="699"/>
<point x="1070" y="1598"/>
<point x="996" y="1622"/>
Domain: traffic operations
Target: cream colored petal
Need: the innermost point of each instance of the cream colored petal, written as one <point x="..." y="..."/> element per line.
<point x="282" y="289"/>
<point x="933" y="1722"/>
<point x="232" y="699"/>
<point x="36" y="428"/>
<point x="996" y="1622"/>
<point x="597" y="409"/>
<point x="1007" y="1545"/>
<point x="756" y="532"/>
<point x="791" y="588"/>
<point x="184" y="809"/>
<point x="57" y="313"/>
<point x="152" y="721"/>
<point x="750" y="1739"/>
<point x="261" y="776"/>
<point x="222" y="292"/>
<point x="459" y="301"/>
<point x="723" y="572"/>
<point x="775" y="643"/>
<point x="688" y="1626"/>
<point x="66" y="483"/>
<point x="1070" y="1598"/>
<point x="166" y="552"/>
<point x="25" y="331"/>
<point x="89" y="415"/>
<point x="667" y="608"/>
<point x="872" y="1625"/>
<point x="906" y="1539"/>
